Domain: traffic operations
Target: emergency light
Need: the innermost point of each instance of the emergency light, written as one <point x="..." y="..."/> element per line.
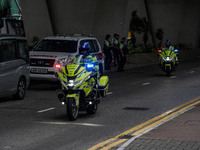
<point x="90" y="66"/>
<point x="58" y="66"/>
<point x="176" y="50"/>
<point x="159" y="51"/>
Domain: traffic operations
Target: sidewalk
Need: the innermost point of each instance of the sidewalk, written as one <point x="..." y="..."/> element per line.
<point x="180" y="133"/>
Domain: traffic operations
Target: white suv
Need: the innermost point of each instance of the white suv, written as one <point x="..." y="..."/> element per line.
<point x="46" y="55"/>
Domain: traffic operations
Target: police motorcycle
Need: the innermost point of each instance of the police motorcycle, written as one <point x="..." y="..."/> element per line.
<point x="168" y="60"/>
<point x="80" y="89"/>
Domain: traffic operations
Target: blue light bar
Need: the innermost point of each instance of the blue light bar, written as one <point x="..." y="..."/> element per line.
<point x="176" y="50"/>
<point x="90" y="65"/>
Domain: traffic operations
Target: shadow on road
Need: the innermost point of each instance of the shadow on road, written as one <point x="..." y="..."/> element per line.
<point x="44" y="85"/>
<point x="64" y="118"/>
<point x="7" y="99"/>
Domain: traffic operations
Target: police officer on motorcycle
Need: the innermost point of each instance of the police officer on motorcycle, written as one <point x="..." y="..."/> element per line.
<point x="85" y="57"/>
<point x="168" y="46"/>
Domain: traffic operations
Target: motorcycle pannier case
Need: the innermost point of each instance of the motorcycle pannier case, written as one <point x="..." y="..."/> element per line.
<point x="103" y="85"/>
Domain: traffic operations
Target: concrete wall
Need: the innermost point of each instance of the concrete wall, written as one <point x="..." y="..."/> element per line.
<point x="73" y="16"/>
<point x="96" y="17"/>
<point x="110" y="18"/>
<point x="139" y="6"/>
<point x="190" y="28"/>
<point x="36" y="18"/>
<point x="179" y="19"/>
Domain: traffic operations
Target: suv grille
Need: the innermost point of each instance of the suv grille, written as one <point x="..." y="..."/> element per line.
<point x="42" y="62"/>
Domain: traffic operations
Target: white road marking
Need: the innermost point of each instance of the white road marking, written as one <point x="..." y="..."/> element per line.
<point x="137" y="136"/>
<point x="109" y="93"/>
<point x="45" y="110"/>
<point x="172" y="77"/>
<point x="69" y="123"/>
<point x="192" y="71"/>
<point x="147" y="83"/>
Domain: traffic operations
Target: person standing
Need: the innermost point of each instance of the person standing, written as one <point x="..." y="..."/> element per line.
<point x="107" y="52"/>
<point x="115" y="43"/>
<point x="122" y="54"/>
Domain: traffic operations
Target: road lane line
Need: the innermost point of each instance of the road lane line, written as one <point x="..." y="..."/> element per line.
<point x="45" y="110"/>
<point x="165" y="118"/>
<point x="143" y="124"/>
<point x="68" y="123"/>
<point x="137" y="136"/>
<point x="192" y="71"/>
<point x="109" y="93"/>
<point x="157" y="124"/>
<point x="102" y="144"/>
<point x="147" y="83"/>
<point x="114" y="144"/>
<point x="172" y="77"/>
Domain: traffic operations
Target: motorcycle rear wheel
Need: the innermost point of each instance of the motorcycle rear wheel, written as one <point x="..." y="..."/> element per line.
<point x="72" y="109"/>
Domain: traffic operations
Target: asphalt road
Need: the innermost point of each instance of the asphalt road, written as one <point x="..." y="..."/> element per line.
<point x="135" y="96"/>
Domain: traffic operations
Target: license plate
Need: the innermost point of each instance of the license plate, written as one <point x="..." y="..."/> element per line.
<point x="37" y="70"/>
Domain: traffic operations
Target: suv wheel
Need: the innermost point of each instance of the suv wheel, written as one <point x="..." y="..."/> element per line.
<point x="21" y="89"/>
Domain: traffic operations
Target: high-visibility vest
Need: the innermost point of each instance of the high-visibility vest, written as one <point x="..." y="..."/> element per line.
<point x="123" y="47"/>
<point x="115" y="42"/>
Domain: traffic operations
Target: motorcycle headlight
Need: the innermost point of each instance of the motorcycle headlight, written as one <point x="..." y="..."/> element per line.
<point x="70" y="83"/>
<point x="168" y="59"/>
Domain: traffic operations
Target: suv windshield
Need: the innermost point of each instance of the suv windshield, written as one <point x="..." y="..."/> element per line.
<point x="67" y="46"/>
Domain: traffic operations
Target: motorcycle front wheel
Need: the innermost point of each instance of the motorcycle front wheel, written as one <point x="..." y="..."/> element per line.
<point x="91" y="110"/>
<point x="168" y="71"/>
<point x="72" y="109"/>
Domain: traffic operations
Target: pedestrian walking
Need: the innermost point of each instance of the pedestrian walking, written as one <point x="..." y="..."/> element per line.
<point x="122" y="54"/>
<point x="107" y="51"/>
<point x="115" y="49"/>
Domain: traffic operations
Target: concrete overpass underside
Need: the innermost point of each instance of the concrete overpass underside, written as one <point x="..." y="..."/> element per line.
<point x="179" y="19"/>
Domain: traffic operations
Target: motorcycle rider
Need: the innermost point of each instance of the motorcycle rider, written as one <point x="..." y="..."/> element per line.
<point x="85" y="57"/>
<point x="168" y="46"/>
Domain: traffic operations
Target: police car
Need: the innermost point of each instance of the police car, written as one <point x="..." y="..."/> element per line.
<point x="46" y="56"/>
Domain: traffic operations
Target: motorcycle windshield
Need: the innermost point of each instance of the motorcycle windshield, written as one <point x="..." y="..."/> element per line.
<point x="73" y="69"/>
<point x="168" y="53"/>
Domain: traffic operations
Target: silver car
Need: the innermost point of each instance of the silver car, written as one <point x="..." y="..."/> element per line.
<point x="14" y="66"/>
